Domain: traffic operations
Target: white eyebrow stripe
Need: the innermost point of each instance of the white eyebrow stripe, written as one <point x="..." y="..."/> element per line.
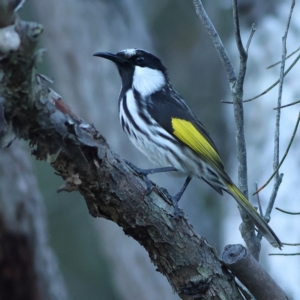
<point x="129" y="52"/>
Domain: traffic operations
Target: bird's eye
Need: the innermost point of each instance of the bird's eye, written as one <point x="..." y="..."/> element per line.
<point x="139" y="60"/>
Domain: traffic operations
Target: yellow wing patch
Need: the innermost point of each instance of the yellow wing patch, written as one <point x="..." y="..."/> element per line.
<point x="192" y="137"/>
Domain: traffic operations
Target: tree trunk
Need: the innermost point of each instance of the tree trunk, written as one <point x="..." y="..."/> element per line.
<point x="28" y="268"/>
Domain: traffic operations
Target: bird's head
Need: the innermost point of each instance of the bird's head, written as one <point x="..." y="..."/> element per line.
<point x="138" y="69"/>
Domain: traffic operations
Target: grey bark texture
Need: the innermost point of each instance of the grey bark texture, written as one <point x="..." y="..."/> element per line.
<point x="251" y="274"/>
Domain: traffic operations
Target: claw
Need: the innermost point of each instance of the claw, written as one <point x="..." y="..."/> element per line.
<point x="173" y="199"/>
<point x="149" y="185"/>
<point x="144" y="173"/>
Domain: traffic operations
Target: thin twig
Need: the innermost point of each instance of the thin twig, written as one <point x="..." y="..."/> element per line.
<point x="270" y="87"/>
<point x="287" y="212"/>
<point x="258" y="199"/>
<point x="237" y="32"/>
<point x="289" y="244"/>
<point x="278" y="178"/>
<point x="276" y="186"/>
<point x="275" y="83"/>
<point x="290" y="104"/>
<point x="253" y="29"/>
<point x="277" y="63"/>
<point x="283" y="158"/>
<point x="253" y="243"/>
<point x="238" y="105"/>
<point x="284" y="254"/>
<point x="236" y="85"/>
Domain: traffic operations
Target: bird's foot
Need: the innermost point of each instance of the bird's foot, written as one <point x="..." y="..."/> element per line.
<point x="142" y="173"/>
<point x="145" y="172"/>
<point x="165" y="194"/>
<point x="174" y="200"/>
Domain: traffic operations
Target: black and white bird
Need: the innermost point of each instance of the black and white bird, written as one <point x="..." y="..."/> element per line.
<point x="161" y="125"/>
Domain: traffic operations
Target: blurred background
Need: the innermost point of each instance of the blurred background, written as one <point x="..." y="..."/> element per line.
<point x="96" y="259"/>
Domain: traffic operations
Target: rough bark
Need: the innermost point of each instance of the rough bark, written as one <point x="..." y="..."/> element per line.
<point x="251" y="274"/>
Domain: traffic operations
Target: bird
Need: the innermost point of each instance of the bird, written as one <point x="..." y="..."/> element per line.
<point x="161" y="125"/>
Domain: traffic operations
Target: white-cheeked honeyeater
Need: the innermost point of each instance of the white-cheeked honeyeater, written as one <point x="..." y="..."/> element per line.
<point x="161" y="125"/>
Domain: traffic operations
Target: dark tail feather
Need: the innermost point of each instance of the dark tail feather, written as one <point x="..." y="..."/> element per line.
<point x="259" y="222"/>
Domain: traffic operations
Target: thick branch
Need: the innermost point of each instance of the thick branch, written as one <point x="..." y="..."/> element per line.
<point x="251" y="274"/>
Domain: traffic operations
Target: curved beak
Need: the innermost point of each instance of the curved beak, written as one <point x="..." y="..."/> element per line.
<point x="113" y="57"/>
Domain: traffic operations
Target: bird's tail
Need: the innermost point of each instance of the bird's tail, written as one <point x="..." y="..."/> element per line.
<point x="259" y="222"/>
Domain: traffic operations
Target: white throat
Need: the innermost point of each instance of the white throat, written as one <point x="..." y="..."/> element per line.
<point x="147" y="81"/>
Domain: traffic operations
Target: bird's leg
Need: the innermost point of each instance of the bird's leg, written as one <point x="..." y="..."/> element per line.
<point x="175" y="199"/>
<point x="145" y="172"/>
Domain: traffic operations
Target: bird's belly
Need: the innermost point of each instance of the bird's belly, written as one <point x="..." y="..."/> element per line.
<point x="169" y="155"/>
<point x="155" y="154"/>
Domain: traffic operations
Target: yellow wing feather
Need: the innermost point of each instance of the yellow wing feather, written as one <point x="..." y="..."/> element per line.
<point x="192" y="137"/>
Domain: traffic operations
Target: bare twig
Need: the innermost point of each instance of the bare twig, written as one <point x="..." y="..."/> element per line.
<point x="237" y="33"/>
<point x="247" y="228"/>
<point x="283" y="158"/>
<point x="270" y="87"/>
<point x="274" y="84"/>
<point x="258" y="200"/>
<point x="276" y="186"/>
<point x="238" y="106"/>
<point x="284" y="254"/>
<point x="289" y="244"/>
<point x="287" y="212"/>
<point x="290" y="104"/>
<point x="277" y="177"/>
<point x="253" y="29"/>
<point x="277" y="63"/>
<point x="236" y="85"/>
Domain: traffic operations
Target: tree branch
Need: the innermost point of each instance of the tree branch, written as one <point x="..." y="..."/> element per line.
<point x="236" y="86"/>
<point x="278" y="178"/>
<point x="251" y="274"/>
<point x="247" y="227"/>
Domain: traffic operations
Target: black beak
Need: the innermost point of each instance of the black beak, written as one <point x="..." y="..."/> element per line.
<point x="113" y="57"/>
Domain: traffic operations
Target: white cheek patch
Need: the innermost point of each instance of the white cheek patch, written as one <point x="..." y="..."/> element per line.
<point x="147" y="81"/>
